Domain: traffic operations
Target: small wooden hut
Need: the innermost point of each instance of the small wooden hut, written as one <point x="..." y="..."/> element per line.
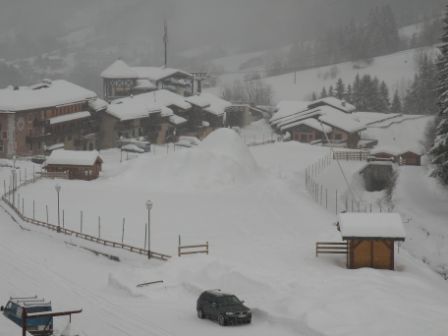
<point x="410" y="158"/>
<point x="371" y="238"/>
<point x="79" y="165"/>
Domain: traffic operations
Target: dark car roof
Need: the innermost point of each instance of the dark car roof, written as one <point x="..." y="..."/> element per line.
<point x="217" y="292"/>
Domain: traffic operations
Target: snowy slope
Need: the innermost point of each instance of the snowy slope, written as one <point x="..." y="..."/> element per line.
<point x="397" y="70"/>
<point x="261" y="231"/>
<point x="423" y="203"/>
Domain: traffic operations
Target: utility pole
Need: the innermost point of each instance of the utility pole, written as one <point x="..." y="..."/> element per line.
<point x="165" y="41"/>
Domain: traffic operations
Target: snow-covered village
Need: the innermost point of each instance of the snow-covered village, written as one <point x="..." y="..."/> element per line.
<point x="238" y="167"/>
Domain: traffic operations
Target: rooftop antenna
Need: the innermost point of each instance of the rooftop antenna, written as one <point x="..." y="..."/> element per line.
<point x="165" y="41"/>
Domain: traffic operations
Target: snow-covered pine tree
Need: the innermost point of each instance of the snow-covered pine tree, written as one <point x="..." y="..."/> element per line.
<point x="331" y="91"/>
<point x="396" y="104"/>
<point x="384" y="100"/>
<point x="340" y="89"/>
<point x="440" y="149"/>
<point x="324" y="93"/>
<point x="348" y="96"/>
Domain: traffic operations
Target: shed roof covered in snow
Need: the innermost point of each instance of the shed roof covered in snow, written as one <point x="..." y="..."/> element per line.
<point x="371" y="226"/>
<point x="288" y="108"/>
<point x="120" y="70"/>
<point x="49" y="94"/>
<point x="210" y="103"/>
<point x="73" y="158"/>
<point x="69" y="117"/>
<point x="342" y="121"/>
<point x="312" y="123"/>
<point x="334" y="102"/>
<point x="142" y="105"/>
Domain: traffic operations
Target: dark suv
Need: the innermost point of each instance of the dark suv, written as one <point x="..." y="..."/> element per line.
<point x="224" y="308"/>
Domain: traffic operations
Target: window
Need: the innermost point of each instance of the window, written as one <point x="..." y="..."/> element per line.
<point x="303" y="138"/>
<point x="338" y="136"/>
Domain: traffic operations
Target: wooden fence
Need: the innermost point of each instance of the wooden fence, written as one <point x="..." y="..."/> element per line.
<point x="191" y="249"/>
<point x="84" y="236"/>
<point x="351" y="155"/>
<point x="331" y="248"/>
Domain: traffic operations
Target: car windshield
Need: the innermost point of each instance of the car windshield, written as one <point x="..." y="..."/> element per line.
<point x="227" y="300"/>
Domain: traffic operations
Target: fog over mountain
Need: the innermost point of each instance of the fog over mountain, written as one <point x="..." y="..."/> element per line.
<point x="34" y="26"/>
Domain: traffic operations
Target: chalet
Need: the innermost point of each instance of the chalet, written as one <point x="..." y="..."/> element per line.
<point x="35" y="117"/>
<point x="79" y="165"/>
<point x="209" y="108"/>
<point x="121" y="80"/>
<point x="410" y="158"/>
<point x="309" y="130"/>
<point x="157" y="116"/>
<point x="384" y="154"/>
<point x="336" y="103"/>
<point x="371" y="238"/>
<point x="324" y="123"/>
<point x="402" y="157"/>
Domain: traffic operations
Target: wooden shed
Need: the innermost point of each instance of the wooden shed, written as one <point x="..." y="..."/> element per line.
<point x="410" y="158"/>
<point x="371" y="238"/>
<point x="79" y="165"/>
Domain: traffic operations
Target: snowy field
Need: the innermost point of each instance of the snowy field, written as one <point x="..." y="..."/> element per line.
<point x="253" y="208"/>
<point x="397" y="70"/>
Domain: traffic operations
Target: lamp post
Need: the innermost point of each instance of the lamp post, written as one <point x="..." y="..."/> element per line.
<point x="149" y="207"/>
<point x="58" y="190"/>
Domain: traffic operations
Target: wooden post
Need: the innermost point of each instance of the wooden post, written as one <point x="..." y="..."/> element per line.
<point x="4" y="187"/>
<point x="81" y="215"/>
<point x="336" y="201"/>
<point x="146" y="234"/>
<point x="99" y="227"/>
<point x="63" y="218"/>
<point x="207" y="247"/>
<point x="122" y="232"/>
<point x="46" y="208"/>
<point x="178" y="248"/>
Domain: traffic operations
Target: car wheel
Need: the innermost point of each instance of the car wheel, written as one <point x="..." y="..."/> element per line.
<point x="221" y="320"/>
<point x="200" y="314"/>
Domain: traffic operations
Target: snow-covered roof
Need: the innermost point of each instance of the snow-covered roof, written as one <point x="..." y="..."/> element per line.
<point x="167" y="98"/>
<point x="157" y="73"/>
<point x="51" y="93"/>
<point x="212" y="104"/>
<point x="198" y="100"/>
<point x="371" y="225"/>
<point x="176" y="120"/>
<point x="71" y="157"/>
<point x="145" y="84"/>
<point x="310" y="122"/>
<point x="134" y="107"/>
<point x="288" y="108"/>
<point x="342" y="121"/>
<point x="98" y="104"/>
<point x="69" y="117"/>
<point x="373" y="117"/>
<point x="334" y="102"/>
<point x="119" y="69"/>
<point x="389" y="150"/>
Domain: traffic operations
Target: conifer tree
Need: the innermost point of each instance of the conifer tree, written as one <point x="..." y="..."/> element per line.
<point x="340" y="89"/>
<point x="331" y="91"/>
<point x="324" y="93"/>
<point x="440" y="148"/>
<point x="396" y="104"/>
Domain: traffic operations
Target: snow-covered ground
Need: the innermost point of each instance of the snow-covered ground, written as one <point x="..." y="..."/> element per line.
<point x="423" y="204"/>
<point x="252" y="206"/>
<point x="397" y="70"/>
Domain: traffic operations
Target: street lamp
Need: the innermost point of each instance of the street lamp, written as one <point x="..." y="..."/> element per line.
<point x="149" y="207"/>
<point x="58" y="190"/>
